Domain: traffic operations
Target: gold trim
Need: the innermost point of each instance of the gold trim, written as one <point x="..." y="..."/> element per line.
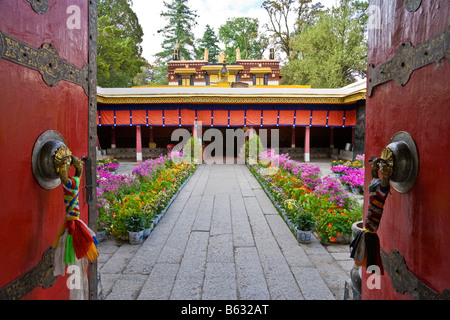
<point x="216" y="68"/>
<point x="260" y="70"/>
<point x="235" y="68"/>
<point x="211" y="68"/>
<point x="228" y="99"/>
<point x="282" y="86"/>
<point x="185" y="70"/>
<point x="355" y="97"/>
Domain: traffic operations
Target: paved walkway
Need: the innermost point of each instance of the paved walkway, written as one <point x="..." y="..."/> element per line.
<point x="222" y="239"/>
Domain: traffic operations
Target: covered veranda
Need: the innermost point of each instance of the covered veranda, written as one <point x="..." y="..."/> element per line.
<point x="137" y="123"/>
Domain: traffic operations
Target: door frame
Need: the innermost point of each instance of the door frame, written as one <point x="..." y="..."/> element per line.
<point x="91" y="163"/>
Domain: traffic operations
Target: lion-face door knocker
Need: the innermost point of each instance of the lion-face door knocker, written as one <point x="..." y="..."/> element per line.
<point x="398" y="165"/>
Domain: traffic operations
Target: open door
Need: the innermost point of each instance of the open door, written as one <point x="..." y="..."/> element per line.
<point x="47" y="91"/>
<point x="409" y="98"/>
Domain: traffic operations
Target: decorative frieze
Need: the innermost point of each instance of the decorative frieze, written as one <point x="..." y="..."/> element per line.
<point x="408" y="59"/>
<point x="45" y="60"/>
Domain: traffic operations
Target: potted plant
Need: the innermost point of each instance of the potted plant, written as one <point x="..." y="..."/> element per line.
<point x="148" y="223"/>
<point x="357" y="227"/>
<point x="304" y="223"/>
<point x="135" y="225"/>
<point x="104" y="221"/>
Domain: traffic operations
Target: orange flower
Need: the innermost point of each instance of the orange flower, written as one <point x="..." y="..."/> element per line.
<point x="329" y="225"/>
<point x="333" y="239"/>
<point x="338" y="234"/>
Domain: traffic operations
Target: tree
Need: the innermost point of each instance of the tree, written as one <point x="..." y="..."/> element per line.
<point x="279" y="21"/>
<point x="159" y="70"/>
<point x="152" y="74"/>
<point x="181" y="19"/>
<point x="123" y="18"/>
<point x="145" y="77"/>
<point x="208" y="41"/>
<point x="117" y="63"/>
<point x="306" y="15"/>
<point x="243" y="33"/>
<point x="332" y="52"/>
<point x="119" y="44"/>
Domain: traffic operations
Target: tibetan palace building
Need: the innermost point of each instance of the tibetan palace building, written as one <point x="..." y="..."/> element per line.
<point x="138" y="122"/>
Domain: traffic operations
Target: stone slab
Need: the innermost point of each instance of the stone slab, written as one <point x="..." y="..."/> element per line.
<point x="159" y="283"/>
<point x="251" y="283"/>
<point x="189" y="280"/>
<point x="311" y="283"/>
<point x="220" y="282"/>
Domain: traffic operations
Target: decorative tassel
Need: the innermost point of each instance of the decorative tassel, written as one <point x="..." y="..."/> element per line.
<point x="83" y="242"/>
<point x="69" y="252"/>
<point x="80" y="241"/>
<point x="74" y="242"/>
<point x="365" y="248"/>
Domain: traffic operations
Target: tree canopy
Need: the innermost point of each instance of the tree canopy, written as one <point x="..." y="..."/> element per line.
<point x="243" y="33"/>
<point x="280" y="15"/>
<point x="324" y="48"/>
<point x="332" y="52"/>
<point x="118" y="44"/>
<point x="208" y="41"/>
<point x="180" y="21"/>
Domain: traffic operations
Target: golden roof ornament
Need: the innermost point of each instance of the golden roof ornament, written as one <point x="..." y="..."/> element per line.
<point x="222" y="58"/>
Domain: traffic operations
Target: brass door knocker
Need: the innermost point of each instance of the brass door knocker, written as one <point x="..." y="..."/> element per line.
<point x="398" y="165"/>
<point x="75" y="242"/>
<point x="64" y="160"/>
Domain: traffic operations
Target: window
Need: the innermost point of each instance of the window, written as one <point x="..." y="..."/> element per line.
<point x="260" y="80"/>
<point x="213" y="78"/>
<point x="186" y="80"/>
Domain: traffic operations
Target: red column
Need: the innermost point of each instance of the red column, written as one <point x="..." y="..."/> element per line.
<point x="113" y="137"/>
<point x="307" y="140"/>
<point x="138" y="144"/>
<point x="293" y="138"/>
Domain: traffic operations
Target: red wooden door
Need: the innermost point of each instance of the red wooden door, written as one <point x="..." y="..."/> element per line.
<point x="411" y="93"/>
<point x="47" y="82"/>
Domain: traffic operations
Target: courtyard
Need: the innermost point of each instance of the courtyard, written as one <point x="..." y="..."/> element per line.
<point x="222" y="239"/>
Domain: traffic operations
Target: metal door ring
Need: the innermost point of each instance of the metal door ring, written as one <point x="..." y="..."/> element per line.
<point x="42" y="159"/>
<point x="406" y="161"/>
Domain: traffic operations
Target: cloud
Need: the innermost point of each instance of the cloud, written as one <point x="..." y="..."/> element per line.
<point x="212" y="12"/>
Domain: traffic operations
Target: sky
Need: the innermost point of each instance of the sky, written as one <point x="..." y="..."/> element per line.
<point x="212" y="12"/>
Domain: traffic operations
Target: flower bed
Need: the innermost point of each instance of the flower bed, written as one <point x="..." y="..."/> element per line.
<point x="298" y="188"/>
<point x="141" y="197"/>
<point x="350" y="173"/>
<point x="108" y="165"/>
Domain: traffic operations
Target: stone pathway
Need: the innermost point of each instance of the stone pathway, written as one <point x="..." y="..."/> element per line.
<point x="222" y="239"/>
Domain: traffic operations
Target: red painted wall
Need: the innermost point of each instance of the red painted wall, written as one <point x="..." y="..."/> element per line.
<point x="415" y="223"/>
<point x="30" y="216"/>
